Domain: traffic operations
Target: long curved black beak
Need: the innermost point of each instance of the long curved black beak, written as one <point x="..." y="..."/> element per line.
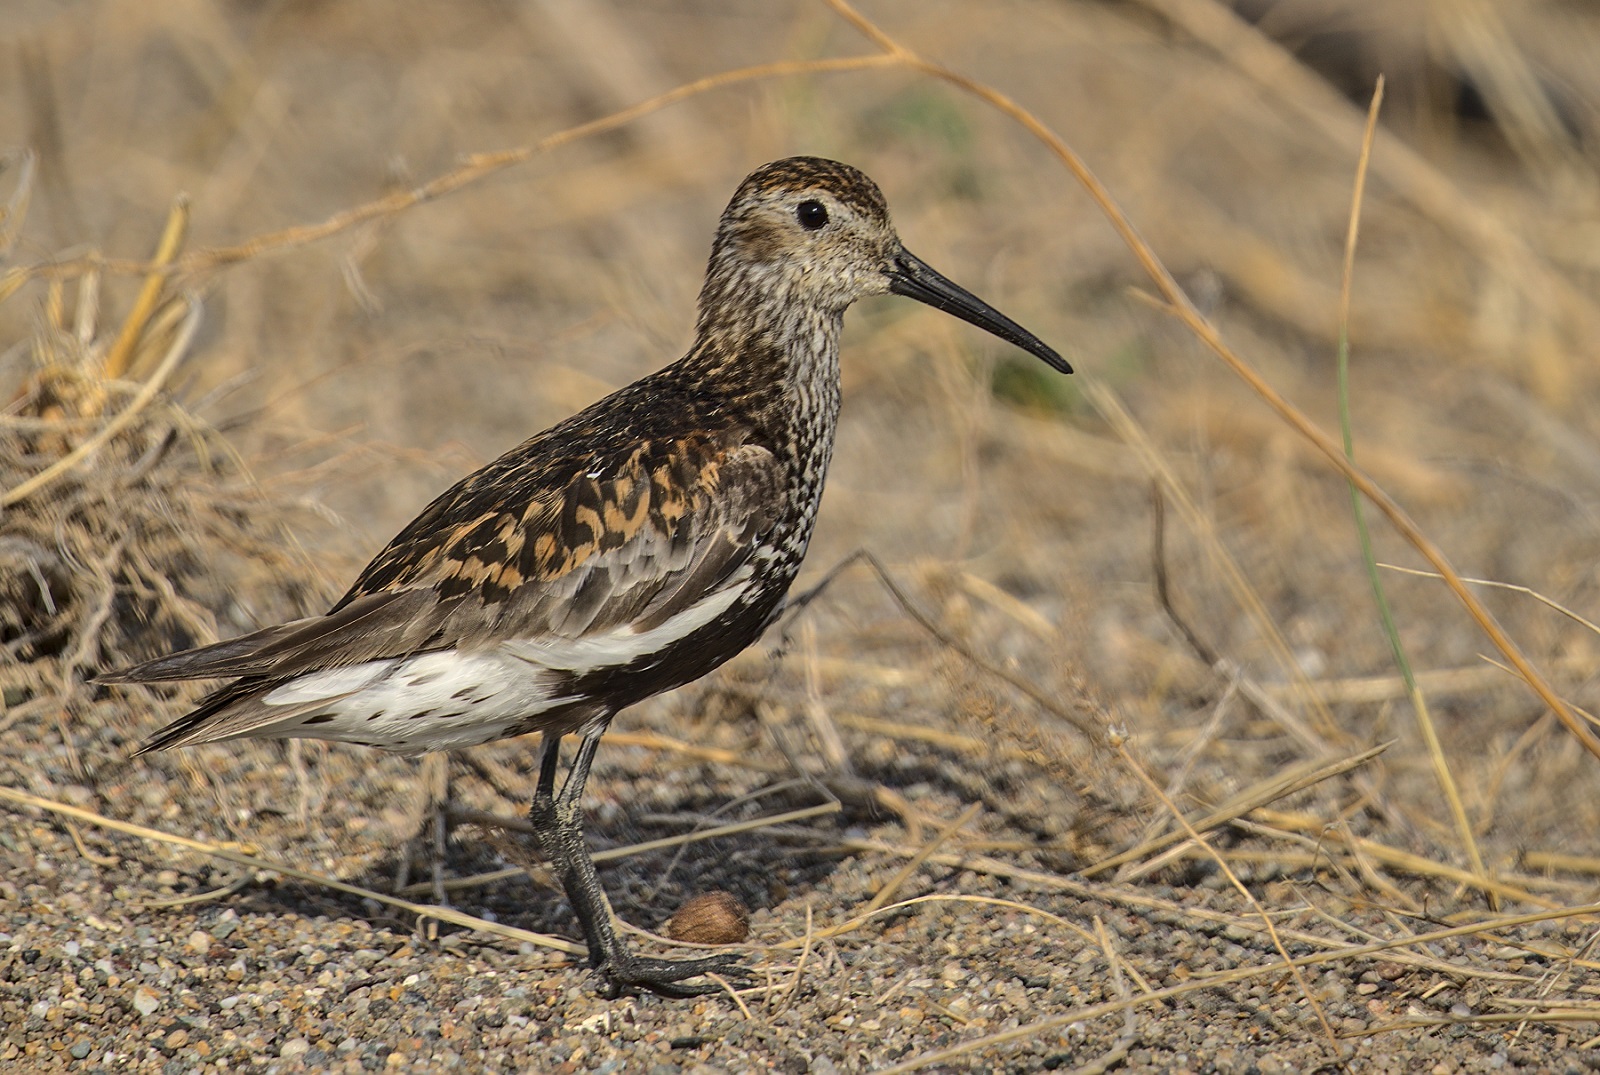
<point x="916" y="279"/>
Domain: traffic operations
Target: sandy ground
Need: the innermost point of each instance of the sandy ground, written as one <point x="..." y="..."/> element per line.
<point x="1063" y="918"/>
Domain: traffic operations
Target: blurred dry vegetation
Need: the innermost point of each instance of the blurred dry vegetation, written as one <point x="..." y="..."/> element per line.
<point x="331" y="387"/>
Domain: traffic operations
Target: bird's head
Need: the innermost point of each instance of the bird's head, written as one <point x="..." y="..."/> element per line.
<point x="816" y="232"/>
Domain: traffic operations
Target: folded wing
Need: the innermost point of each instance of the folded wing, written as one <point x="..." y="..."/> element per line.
<point x="549" y="556"/>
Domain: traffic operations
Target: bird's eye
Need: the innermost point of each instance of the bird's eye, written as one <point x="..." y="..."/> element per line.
<point x="811" y="215"/>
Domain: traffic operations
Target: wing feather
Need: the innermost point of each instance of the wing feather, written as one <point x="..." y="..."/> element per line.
<point x="384" y="623"/>
<point x="530" y="547"/>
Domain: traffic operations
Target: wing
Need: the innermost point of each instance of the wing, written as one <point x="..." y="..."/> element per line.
<point x="542" y="546"/>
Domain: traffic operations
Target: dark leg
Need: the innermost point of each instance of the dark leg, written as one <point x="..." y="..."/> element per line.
<point x="558" y="830"/>
<point x="549" y="762"/>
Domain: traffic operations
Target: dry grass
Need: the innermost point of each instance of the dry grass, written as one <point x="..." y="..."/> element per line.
<point x="1240" y="727"/>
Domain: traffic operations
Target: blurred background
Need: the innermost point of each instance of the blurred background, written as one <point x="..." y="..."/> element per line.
<point x="356" y="376"/>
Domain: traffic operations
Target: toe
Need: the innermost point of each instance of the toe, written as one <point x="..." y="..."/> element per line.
<point x="667" y="977"/>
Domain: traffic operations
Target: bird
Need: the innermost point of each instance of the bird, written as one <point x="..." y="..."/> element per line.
<point x="625" y="551"/>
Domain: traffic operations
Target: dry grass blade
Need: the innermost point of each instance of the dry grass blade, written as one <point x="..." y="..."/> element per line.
<point x="232" y="888"/>
<point x="698" y="751"/>
<point x="1130" y="1026"/>
<point x="1566" y="1013"/>
<point x="1017" y="610"/>
<point x="1138" y="900"/>
<point x="1558" y="860"/>
<point x="1365" y="690"/>
<point x="917" y="733"/>
<point x="217" y="851"/>
<point x="616" y="854"/>
<point x="942" y="837"/>
<point x="1407" y="861"/>
<point x="1160" y="996"/>
<point x="1306" y="775"/>
<point x="1510" y="587"/>
<point x="172" y="236"/>
<point x="807" y="939"/>
<point x="855" y="922"/>
<point x="1093" y="734"/>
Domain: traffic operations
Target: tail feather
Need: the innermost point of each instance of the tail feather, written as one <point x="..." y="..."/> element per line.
<point x="192" y="727"/>
<point x="234" y="712"/>
<point x="202" y="662"/>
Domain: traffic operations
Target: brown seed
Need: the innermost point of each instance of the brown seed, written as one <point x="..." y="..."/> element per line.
<point x="711" y="918"/>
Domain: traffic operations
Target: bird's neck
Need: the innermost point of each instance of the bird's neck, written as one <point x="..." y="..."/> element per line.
<point x="773" y="356"/>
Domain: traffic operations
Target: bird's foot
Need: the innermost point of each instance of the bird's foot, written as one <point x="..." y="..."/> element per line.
<point x="623" y="974"/>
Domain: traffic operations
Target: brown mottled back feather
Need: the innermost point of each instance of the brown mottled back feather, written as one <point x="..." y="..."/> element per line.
<point x="541" y="542"/>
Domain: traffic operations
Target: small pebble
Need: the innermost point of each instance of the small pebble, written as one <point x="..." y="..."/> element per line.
<point x="146" y="1000"/>
<point x="293" y="1047"/>
<point x="80" y="1049"/>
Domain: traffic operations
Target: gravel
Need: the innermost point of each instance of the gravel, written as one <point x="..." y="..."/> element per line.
<point x="286" y="976"/>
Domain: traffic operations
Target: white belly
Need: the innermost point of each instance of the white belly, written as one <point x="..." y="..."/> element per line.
<point x="453" y="698"/>
<point x="433" y="701"/>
